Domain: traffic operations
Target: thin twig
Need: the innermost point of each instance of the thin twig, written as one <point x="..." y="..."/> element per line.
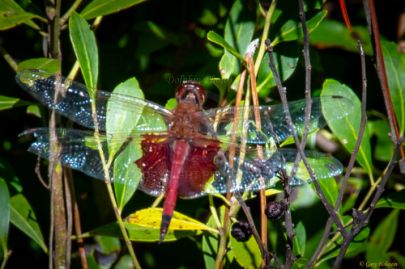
<point x="328" y="226"/>
<point x="282" y="93"/>
<point x="11" y="62"/>
<point x="382" y="74"/>
<point x="256" y="111"/>
<point x="263" y="248"/>
<point x="362" y="127"/>
<point x="76" y="221"/>
<point x="308" y="68"/>
<point x="6" y="256"/>
<point x="58" y="236"/>
<point x="286" y="186"/>
<point x="356" y="228"/>
<point x="108" y="181"/>
<point x="39" y="175"/>
<point x="214" y="213"/>
<point x="307" y="115"/>
<point x="69" y="218"/>
<point x="224" y="235"/>
<point x="72" y="8"/>
<point x="265" y="34"/>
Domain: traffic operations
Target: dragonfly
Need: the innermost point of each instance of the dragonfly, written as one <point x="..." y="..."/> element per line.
<point x="185" y="151"/>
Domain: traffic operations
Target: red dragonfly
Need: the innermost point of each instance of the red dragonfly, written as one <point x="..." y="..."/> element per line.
<point x="184" y="151"/>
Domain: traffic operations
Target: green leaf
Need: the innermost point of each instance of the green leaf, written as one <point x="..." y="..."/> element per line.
<point x="210" y="242"/>
<point x="8" y="174"/>
<point x="305" y="197"/>
<point x="300" y="239"/>
<point x="374" y="255"/>
<point x="85" y="47"/>
<point x="384" y="148"/>
<point x="292" y="30"/>
<point x="153" y="37"/>
<point x="121" y="122"/>
<point x="393" y="200"/>
<point x="286" y="59"/>
<point x="247" y="254"/>
<point x="34" y="110"/>
<point x="210" y="249"/>
<point x="171" y="104"/>
<point x="334" y="34"/>
<point x="382" y="238"/>
<point x="346" y="128"/>
<point x="9" y="102"/>
<point x="5" y="215"/>
<point x="356" y="246"/>
<point x="127" y="174"/>
<point x="395" y="67"/>
<point x="399" y="258"/>
<point x="125" y="262"/>
<point x="331" y="190"/>
<point x="108" y="244"/>
<point x="222" y="85"/>
<point x="101" y="7"/>
<point x="355" y="185"/>
<point x="217" y="39"/>
<point x="44" y="64"/>
<point x="384" y="234"/>
<point x="239" y="29"/>
<point x="23" y="217"/>
<point x="11" y="14"/>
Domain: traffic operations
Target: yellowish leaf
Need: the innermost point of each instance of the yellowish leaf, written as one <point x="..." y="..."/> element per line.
<point x="151" y="217"/>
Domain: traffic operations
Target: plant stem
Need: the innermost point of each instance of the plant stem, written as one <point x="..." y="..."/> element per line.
<point x="265" y="33"/>
<point x="72" y="8"/>
<point x="11" y="62"/>
<point x="7" y="254"/>
<point x="110" y="189"/>
<point x="214" y="212"/>
<point x="224" y="236"/>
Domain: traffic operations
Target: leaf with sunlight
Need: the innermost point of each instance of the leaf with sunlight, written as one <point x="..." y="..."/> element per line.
<point x="85" y="47"/>
<point x="101" y="7"/>
<point x="23" y="217"/>
<point x="347" y="127"/>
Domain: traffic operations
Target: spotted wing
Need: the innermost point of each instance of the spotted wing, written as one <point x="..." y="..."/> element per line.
<point x="79" y="151"/>
<point x="205" y="172"/>
<point x="273" y="119"/>
<point x="74" y="102"/>
<point x="259" y="174"/>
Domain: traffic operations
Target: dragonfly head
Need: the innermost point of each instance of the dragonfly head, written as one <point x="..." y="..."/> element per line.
<point x="191" y="92"/>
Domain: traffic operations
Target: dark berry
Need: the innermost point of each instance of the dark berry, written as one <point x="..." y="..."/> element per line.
<point x="275" y="209"/>
<point x="241" y="231"/>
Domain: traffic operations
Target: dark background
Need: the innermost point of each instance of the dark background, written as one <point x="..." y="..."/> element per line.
<point x="127" y="49"/>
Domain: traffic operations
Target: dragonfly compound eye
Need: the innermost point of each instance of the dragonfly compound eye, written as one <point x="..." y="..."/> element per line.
<point x="191" y="91"/>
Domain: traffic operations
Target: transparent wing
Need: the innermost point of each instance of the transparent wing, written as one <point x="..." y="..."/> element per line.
<point x="273" y="120"/>
<point x="74" y="102"/>
<point x="254" y="169"/>
<point x="79" y="151"/>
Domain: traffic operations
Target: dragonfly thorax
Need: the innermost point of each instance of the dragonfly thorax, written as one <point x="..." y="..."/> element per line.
<point x="186" y="121"/>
